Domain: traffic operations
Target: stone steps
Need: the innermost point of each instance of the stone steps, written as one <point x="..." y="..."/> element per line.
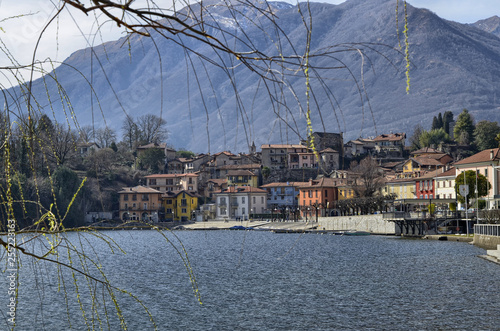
<point x="494" y="253"/>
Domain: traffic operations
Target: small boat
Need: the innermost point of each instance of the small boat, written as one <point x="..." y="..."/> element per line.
<point x="355" y="233"/>
<point x="238" y="227"/>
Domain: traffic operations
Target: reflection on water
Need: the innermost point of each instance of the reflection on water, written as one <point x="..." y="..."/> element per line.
<point x="265" y="281"/>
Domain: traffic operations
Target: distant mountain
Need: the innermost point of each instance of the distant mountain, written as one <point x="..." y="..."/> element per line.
<point x="491" y="25"/>
<point x="453" y="66"/>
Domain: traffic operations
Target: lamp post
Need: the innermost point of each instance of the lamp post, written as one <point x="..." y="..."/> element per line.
<point x="495" y="187"/>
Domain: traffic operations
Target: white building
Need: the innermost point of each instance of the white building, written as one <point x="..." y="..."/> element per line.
<point x="445" y="185"/>
<point x="240" y="202"/>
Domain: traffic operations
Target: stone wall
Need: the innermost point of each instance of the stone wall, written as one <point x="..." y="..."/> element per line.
<point x="486" y="242"/>
<point x="291" y="175"/>
<point x="370" y="223"/>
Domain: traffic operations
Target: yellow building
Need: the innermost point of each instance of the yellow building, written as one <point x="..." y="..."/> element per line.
<point x="403" y="188"/>
<point x="242" y="178"/>
<point x="179" y="205"/>
<point x="345" y="192"/>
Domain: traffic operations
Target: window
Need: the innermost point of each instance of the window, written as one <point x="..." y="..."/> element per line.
<point x="145" y="197"/>
<point x="262" y="200"/>
<point x="310" y="193"/>
<point x="126" y="206"/>
<point x="316" y="193"/>
<point x="145" y="206"/>
<point x="152" y="182"/>
<point x="169" y="201"/>
<point x="184" y="210"/>
<point x="134" y="197"/>
<point x="183" y="202"/>
<point x="125" y="197"/>
<point x="326" y="193"/>
<point x="243" y="211"/>
<point x="304" y="193"/>
<point x="486" y="172"/>
<point x="437" y="184"/>
<point x="242" y="199"/>
<point x="168" y="211"/>
<point x="254" y="200"/>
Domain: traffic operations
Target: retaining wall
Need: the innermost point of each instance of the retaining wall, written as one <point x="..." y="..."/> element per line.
<point x="371" y="223"/>
<point x="486" y="242"/>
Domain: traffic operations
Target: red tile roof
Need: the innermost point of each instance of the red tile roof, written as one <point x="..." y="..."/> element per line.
<point x="483" y="156"/>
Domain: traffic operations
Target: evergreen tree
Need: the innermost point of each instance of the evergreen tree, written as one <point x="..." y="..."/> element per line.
<point x="485" y="134"/>
<point x="439" y="121"/>
<point x="447" y="119"/>
<point x="464" y="128"/>
<point x="435" y="124"/>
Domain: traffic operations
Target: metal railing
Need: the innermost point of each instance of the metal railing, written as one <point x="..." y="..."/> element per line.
<point x="445" y="214"/>
<point x="487" y="229"/>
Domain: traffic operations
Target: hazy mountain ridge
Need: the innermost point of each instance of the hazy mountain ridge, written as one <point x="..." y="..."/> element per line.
<point x="454" y="66"/>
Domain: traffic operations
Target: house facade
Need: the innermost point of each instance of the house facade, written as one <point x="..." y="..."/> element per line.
<point x="487" y="163"/>
<point x="238" y="203"/>
<point x="392" y="143"/>
<point x="402" y="188"/>
<point x="316" y="197"/>
<point x="445" y="185"/>
<point x="173" y="182"/>
<point x="139" y="203"/>
<point x="242" y="178"/>
<point x="283" y="195"/>
<point x="285" y="156"/>
<point x="179" y="205"/>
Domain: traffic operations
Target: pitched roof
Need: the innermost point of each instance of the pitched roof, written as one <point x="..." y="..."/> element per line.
<point x="427" y="161"/>
<point x="426" y="150"/>
<point x="483" y="156"/>
<point x="287" y="184"/>
<point x="138" y="189"/>
<point x="282" y="146"/>
<point x="241" y="189"/>
<point x="240" y="166"/>
<point x="449" y="172"/>
<point x="390" y="137"/>
<point x="171" y="175"/>
<point x="240" y="173"/>
<point x="173" y="194"/>
<point x="224" y="153"/>
<point x="218" y="181"/>
<point x="322" y="182"/>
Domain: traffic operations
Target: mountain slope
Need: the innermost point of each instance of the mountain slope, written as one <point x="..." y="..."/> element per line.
<point x="453" y="66"/>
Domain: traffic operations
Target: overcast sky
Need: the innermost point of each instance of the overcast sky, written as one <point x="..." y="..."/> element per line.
<point x="20" y="34"/>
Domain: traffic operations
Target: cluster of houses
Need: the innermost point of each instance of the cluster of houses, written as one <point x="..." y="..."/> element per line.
<point x="295" y="181"/>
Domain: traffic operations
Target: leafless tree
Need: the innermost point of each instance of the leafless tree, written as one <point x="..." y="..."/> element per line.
<point x="369" y="178"/>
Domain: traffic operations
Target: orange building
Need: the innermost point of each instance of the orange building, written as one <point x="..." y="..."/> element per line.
<point x="317" y="196"/>
<point x="139" y="203"/>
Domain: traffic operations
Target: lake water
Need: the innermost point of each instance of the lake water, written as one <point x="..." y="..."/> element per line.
<point x="254" y="280"/>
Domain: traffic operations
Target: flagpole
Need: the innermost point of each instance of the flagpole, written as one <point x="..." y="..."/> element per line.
<point x="466" y="208"/>
<point x="477" y="201"/>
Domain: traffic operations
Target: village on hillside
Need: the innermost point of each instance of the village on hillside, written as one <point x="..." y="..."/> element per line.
<point x="291" y="182"/>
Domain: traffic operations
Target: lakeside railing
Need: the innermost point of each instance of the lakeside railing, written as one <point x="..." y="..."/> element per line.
<point x="487" y="229"/>
<point x="423" y="215"/>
